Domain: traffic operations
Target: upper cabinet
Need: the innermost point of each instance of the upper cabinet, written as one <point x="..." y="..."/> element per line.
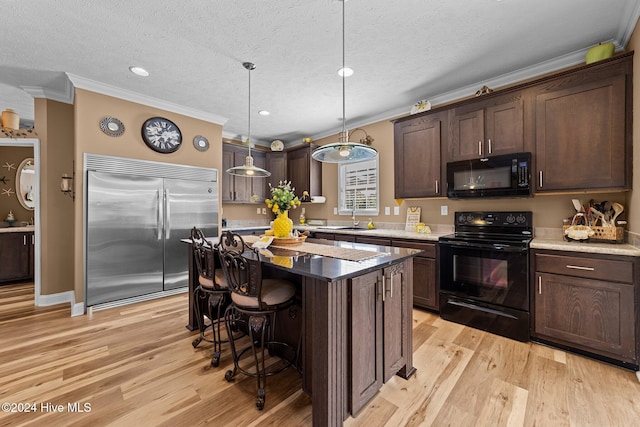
<point x="277" y="165"/>
<point x="417" y="159"/>
<point x="239" y="189"/>
<point x="583" y="129"/>
<point x="304" y="173"/>
<point x="488" y="127"/>
<point x="577" y="123"/>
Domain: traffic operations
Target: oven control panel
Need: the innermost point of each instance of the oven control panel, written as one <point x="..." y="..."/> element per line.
<point x="516" y="222"/>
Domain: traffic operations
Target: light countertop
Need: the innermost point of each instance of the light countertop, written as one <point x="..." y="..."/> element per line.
<point x="17" y="229"/>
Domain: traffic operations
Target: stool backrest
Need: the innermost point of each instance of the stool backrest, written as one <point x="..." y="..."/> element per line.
<point x="204" y="255"/>
<point x="243" y="273"/>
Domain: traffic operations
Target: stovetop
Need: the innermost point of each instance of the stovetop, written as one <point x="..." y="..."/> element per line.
<point x="514" y="227"/>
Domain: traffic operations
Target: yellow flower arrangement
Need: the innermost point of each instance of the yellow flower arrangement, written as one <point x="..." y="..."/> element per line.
<point x="282" y="198"/>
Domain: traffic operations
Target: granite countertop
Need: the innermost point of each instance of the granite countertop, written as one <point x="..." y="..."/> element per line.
<point x="558" y="244"/>
<point x="17" y="229"/>
<point x="376" y="232"/>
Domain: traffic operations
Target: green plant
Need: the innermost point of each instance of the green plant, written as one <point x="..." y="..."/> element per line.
<point x="282" y="198"/>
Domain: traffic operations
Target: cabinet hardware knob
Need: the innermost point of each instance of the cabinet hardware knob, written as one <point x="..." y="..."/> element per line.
<point x="480" y="148"/>
<point x="490" y="149"/>
<point x="540" y="174"/>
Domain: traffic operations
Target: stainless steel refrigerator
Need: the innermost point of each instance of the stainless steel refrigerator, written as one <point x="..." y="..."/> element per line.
<point x="137" y="212"/>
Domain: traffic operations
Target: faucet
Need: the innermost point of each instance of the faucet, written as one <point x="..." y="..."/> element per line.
<point x="353" y="218"/>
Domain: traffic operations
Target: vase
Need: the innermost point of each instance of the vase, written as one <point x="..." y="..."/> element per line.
<point x="282" y="225"/>
<point x="10" y="119"/>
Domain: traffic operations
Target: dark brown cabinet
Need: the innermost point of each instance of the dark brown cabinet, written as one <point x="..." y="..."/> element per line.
<point x="366" y="339"/>
<point x="587" y="302"/>
<point x="425" y="273"/>
<point x="277" y="165"/>
<point x="16" y="256"/>
<point x="380" y="343"/>
<point x="417" y="156"/>
<point x="488" y="127"/>
<point x="371" y="240"/>
<point x="304" y="173"/>
<point x="239" y="189"/>
<point x="583" y="129"/>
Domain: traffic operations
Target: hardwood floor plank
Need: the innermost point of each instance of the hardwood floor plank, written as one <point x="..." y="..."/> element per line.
<point x="135" y="365"/>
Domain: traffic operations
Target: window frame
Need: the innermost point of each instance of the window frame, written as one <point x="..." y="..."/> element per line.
<point x="372" y="203"/>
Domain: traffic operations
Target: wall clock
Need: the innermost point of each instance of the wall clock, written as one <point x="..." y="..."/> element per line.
<point x="201" y="143"/>
<point x="161" y="135"/>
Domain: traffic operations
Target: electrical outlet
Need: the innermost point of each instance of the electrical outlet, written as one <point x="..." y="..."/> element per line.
<point x="264" y="211"/>
<point x="396" y="210"/>
<point x="387" y="210"/>
<point x="335" y="211"/>
<point x="258" y="211"/>
<point x="444" y="210"/>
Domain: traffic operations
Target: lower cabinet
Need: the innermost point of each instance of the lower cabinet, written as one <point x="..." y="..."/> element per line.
<point x="16" y="256"/>
<point x="425" y="273"/>
<point x="380" y="328"/>
<point x="587" y="302"/>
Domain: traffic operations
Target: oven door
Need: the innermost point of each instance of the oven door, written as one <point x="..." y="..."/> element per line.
<point x="491" y="273"/>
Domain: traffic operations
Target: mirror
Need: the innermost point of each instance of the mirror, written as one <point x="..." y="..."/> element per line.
<point x="25" y="181"/>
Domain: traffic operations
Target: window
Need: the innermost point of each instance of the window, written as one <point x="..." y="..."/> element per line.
<point x="358" y="188"/>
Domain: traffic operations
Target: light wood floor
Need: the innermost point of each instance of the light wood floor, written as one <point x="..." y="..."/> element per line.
<point x="135" y="366"/>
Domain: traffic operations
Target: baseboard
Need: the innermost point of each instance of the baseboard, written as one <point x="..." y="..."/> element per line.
<point x="77" y="309"/>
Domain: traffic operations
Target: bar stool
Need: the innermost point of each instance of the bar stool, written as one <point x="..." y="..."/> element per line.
<point x="212" y="292"/>
<point x="254" y="304"/>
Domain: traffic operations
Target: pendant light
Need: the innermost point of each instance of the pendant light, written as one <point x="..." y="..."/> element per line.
<point x="248" y="169"/>
<point x="344" y="151"/>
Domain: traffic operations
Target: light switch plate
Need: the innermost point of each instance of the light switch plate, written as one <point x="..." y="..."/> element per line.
<point x="258" y="211"/>
<point x="396" y="210"/>
<point x="444" y="210"/>
<point x="335" y="211"/>
<point x="387" y="210"/>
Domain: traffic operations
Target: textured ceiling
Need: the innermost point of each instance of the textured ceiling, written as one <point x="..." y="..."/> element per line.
<point x="401" y="51"/>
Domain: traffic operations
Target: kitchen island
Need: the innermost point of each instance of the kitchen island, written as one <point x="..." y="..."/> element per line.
<point x="356" y="321"/>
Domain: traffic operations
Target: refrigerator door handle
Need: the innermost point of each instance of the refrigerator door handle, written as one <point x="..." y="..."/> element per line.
<point x="159" y="216"/>
<point x="167" y="229"/>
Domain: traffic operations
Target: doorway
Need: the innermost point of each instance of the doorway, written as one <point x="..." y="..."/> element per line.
<point x="35" y="144"/>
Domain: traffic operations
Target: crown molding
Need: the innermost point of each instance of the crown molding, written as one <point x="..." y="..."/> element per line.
<point x="65" y="95"/>
<point x="127" y="95"/>
<point x="508" y="79"/>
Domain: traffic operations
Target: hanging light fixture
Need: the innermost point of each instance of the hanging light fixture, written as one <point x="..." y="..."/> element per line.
<point x="344" y="151"/>
<point x="248" y="169"/>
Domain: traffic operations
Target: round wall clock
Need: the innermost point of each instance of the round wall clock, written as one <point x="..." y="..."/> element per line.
<point x="201" y="143"/>
<point x="277" y="145"/>
<point x="111" y="126"/>
<point x="161" y="135"/>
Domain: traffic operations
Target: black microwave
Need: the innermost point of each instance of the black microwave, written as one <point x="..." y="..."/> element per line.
<point x="508" y="175"/>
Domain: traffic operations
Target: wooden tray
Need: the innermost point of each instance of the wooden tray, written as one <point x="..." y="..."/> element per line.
<point x="288" y="241"/>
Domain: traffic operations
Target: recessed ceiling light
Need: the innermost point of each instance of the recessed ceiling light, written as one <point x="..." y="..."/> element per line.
<point x="264" y="112"/>
<point x="348" y="72"/>
<point x="139" y="71"/>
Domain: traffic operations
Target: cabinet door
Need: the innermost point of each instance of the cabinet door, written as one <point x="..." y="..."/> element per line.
<point x="417" y="157"/>
<point x="467" y="138"/>
<point x="304" y="173"/>
<point x="580" y="135"/>
<point x="14" y="256"/>
<point x="396" y="329"/>
<point x="504" y="125"/>
<point x="425" y="286"/>
<point x="591" y="315"/>
<point x="277" y="165"/>
<point x="259" y="185"/>
<point x="488" y="128"/>
<point x="226" y="186"/>
<point x="366" y="338"/>
<point x="32" y="253"/>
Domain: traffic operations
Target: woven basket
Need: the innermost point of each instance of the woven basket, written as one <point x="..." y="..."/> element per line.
<point x="604" y="234"/>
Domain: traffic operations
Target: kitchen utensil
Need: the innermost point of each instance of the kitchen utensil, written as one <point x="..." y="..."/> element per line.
<point x="618" y="209"/>
<point x="601" y="216"/>
<point x="577" y="204"/>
